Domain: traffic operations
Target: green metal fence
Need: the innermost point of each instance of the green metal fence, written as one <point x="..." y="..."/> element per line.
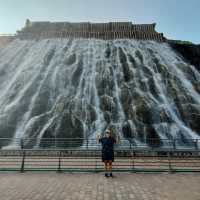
<point x="78" y="155"/>
<point x="84" y="143"/>
<point x="90" y="161"/>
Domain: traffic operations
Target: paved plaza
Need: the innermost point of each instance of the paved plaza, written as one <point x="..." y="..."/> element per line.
<point x="94" y="186"/>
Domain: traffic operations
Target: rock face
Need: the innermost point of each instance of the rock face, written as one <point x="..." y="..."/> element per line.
<point x="76" y="88"/>
<point x="190" y="52"/>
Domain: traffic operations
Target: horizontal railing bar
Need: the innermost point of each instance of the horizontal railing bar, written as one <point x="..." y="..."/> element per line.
<point x="38" y="159"/>
<point x="135" y="163"/>
<point x="99" y="150"/>
<point x="102" y="170"/>
<point x="131" y="140"/>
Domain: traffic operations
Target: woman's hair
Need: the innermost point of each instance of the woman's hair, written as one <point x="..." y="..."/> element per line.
<point x="109" y="131"/>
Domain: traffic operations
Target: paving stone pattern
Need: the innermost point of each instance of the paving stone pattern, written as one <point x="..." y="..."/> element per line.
<point x="91" y="186"/>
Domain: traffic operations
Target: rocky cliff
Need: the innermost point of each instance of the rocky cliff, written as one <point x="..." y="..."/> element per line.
<point x="55" y="88"/>
<point x="190" y="52"/>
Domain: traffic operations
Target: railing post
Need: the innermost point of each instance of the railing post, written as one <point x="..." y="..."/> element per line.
<point x="169" y="162"/>
<point x="87" y="143"/>
<point x="174" y="144"/>
<point x="23" y="161"/>
<point x="22" y="143"/>
<point x="196" y="144"/>
<point x="133" y="163"/>
<point x="59" y="162"/>
<point x="55" y="144"/>
<point x="96" y="160"/>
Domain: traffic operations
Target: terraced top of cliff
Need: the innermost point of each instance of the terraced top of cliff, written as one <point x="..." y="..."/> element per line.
<point x="105" y="31"/>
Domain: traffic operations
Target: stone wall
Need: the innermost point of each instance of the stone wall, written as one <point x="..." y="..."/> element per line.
<point x="105" y="31"/>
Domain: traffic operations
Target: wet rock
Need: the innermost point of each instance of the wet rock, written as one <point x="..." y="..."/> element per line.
<point x="132" y="89"/>
<point x="153" y="139"/>
<point x="139" y="56"/>
<point x="104" y="81"/>
<point x="70" y="127"/>
<point x="107" y="103"/>
<point x="122" y="55"/>
<point x="41" y="105"/>
<point x="132" y="60"/>
<point x="107" y="116"/>
<point x="153" y="88"/>
<point x="190" y="113"/>
<point x="127" y="131"/>
<point x="77" y="74"/>
<point x="107" y="52"/>
<point x="143" y="113"/>
<point x="126" y="98"/>
<point x="147" y="71"/>
<point x="48" y="57"/>
<point x="92" y="116"/>
<point x="70" y="59"/>
<point x="125" y="66"/>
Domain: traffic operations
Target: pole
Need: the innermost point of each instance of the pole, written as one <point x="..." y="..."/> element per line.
<point x="169" y="162"/>
<point x="174" y="144"/>
<point x="196" y="144"/>
<point x="23" y="161"/>
<point x="22" y="143"/>
<point x="59" y="162"/>
<point x="133" y="163"/>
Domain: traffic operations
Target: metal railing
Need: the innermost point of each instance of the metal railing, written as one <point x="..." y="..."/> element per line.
<point x="84" y="143"/>
<point x="82" y="155"/>
<point x="90" y="161"/>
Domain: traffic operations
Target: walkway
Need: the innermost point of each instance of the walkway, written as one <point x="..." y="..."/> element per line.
<point x="64" y="186"/>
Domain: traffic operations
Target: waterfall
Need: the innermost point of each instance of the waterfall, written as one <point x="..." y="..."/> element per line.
<point x="76" y="88"/>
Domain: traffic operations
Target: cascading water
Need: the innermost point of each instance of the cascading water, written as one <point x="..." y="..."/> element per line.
<point x="75" y="88"/>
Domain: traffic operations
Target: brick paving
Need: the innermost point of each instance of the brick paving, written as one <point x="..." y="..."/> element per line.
<point x="94" y="186"/>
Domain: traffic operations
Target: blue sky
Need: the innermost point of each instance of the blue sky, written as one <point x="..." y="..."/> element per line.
<point x="177" y="19"/>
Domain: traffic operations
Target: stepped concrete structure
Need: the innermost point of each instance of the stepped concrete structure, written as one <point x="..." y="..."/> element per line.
<point x="104" y="31"/>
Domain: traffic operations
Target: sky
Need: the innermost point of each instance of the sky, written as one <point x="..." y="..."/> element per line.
<point x="177" y="19"/>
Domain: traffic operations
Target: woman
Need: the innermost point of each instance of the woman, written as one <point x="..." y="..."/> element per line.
<point x="107" y="152"/>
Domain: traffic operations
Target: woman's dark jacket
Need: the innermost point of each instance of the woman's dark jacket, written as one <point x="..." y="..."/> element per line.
<point x="107" y="148"/>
